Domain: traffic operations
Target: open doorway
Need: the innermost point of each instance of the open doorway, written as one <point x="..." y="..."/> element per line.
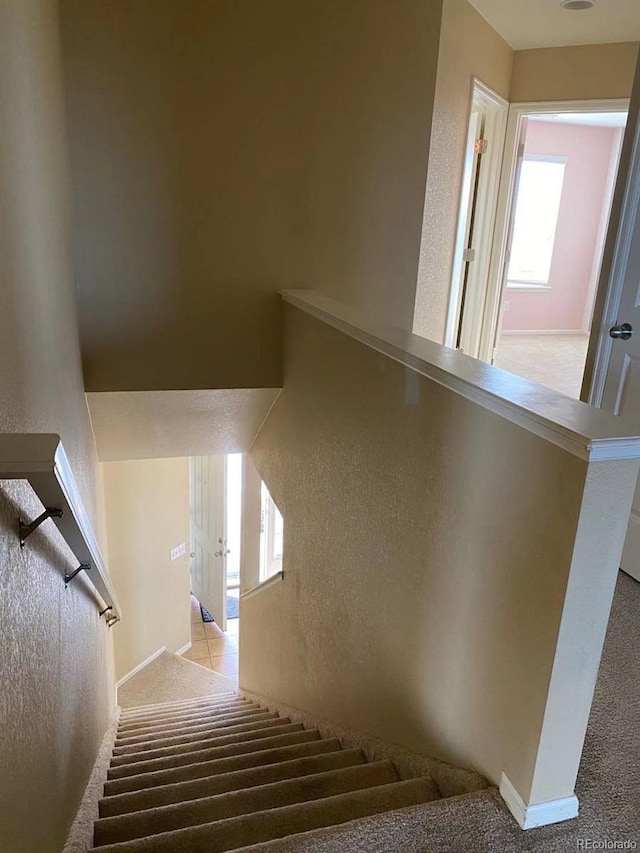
<point x="532" y="312"/>
<point x="216" y="532"/>
<point x="563" y="187"/>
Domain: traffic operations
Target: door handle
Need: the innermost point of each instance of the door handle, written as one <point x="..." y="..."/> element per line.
<point x="622" y="331"/>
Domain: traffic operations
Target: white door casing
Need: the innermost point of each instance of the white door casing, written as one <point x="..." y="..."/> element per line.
<point x="208" y="535"/>
<point x="476" y="218"/>
<point x="518" y="114"/>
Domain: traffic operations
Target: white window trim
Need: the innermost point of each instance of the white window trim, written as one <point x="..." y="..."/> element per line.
<point x="269" y="564"/>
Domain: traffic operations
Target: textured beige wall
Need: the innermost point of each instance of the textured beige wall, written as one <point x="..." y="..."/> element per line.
<point x="147" y="503"/>
<point x="428" y="546"/>
<point x="222" y="151"/>
<point x="469" y="47"/>
<point x="160" y="424"/>
<point x="581" y="72"/>
<point x="55" y="653"/>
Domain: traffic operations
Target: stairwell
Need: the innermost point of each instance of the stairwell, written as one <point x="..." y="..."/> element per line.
<point x="221" y="773"/>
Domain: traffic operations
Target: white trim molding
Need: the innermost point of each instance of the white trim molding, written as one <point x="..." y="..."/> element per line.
<point x="491" y="109"/>
<point x="272" y="581"/>
<point x="537" y="814"/>
<point x="142" y="665"/>
<point x="586" y="432"/>
<point x="184" y="649"/>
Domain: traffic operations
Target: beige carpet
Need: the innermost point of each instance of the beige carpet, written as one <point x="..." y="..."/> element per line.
<point x="217" y="773"/>
<point x="170" y="678"/>
<point x="608" y="785"/>
<point x="555" y="361"/>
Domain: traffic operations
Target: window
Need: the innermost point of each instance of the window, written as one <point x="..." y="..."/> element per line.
<point x="271" y="536"/>
<point x="535" y="221"/>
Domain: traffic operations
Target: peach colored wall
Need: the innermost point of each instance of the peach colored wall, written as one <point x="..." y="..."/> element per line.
<point x="574" y="73"/>
<point x="589" y="151"/>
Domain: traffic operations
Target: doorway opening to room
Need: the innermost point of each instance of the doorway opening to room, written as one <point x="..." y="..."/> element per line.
<point x="216" y="536"/>
<point x="533" y="315"/>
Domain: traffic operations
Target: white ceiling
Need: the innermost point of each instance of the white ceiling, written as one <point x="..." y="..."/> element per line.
<point x="593" y="119"/>
<point x="160" y="424"/>
<point x="544" y="23"/>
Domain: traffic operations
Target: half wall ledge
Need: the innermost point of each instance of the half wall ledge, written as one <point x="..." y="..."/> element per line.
<point x="583" y="430"/>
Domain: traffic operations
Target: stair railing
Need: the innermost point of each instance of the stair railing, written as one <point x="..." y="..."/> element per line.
<point x="40" y="459"/>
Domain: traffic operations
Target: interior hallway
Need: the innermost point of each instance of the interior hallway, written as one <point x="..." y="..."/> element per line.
<point x="555" y="361"/>
<point x="212" y="648"/>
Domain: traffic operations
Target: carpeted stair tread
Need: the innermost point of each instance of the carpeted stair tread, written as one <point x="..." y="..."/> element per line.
<point x="187" y="701"/>
<point x="160" y="707"/>
<point x="221" y="727"/>
<point x="453" y="824"/>
<point x="306" y="744"/>
<point x="131" y="735"/>
<point x="199" y="743"/>
<point x="262" y="739"/>
<point x="180" y="710"/>
<point x="244" y="802"/>
<point x="203" y="712"/>
<point x="234" y="780"/>
<point x="232" y="833"/>
<point x="184" y="714"/>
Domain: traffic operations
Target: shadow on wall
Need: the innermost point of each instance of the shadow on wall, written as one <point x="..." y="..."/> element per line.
<point x="307" y="165"/>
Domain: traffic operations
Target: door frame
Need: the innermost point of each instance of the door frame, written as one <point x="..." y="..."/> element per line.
<point x="496" y="110"/>
<point x="518" y="113"/>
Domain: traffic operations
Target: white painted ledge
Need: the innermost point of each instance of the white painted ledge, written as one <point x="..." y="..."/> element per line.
<point x="40" y="459"/>
<point x="539" y="814"/>
<point x="589" y="433"/>
<point x="272" y="581"/>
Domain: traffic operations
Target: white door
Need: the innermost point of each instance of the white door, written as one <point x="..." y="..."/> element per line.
<point x="476" y="219"/>
<point x="615" y="344"/>
<point x="208" y="535"/>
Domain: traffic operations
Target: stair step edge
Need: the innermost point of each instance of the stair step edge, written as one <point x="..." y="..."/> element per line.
<point x="295" y="768"/>
<point x="227" y="834"/>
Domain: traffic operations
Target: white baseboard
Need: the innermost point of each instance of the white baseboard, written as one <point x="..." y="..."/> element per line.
<point x="184" y="649"/>
<point x="538" y="814"/>
<point x="140" y="666"/>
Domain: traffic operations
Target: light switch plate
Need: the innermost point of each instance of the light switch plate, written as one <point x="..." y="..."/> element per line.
<point x="178" y="551"/>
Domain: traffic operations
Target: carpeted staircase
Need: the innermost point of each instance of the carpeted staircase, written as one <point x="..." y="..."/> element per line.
<point x="220" y="773"/>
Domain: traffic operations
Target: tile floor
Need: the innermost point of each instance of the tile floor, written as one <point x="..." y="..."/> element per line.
<point x="556" y="361"/>
<point x="211" y="647"/>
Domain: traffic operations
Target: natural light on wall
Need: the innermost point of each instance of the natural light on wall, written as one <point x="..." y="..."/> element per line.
<point x="271" y="536"/>
<point x="233" y="510"/>
<point x="535" y="222"/>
